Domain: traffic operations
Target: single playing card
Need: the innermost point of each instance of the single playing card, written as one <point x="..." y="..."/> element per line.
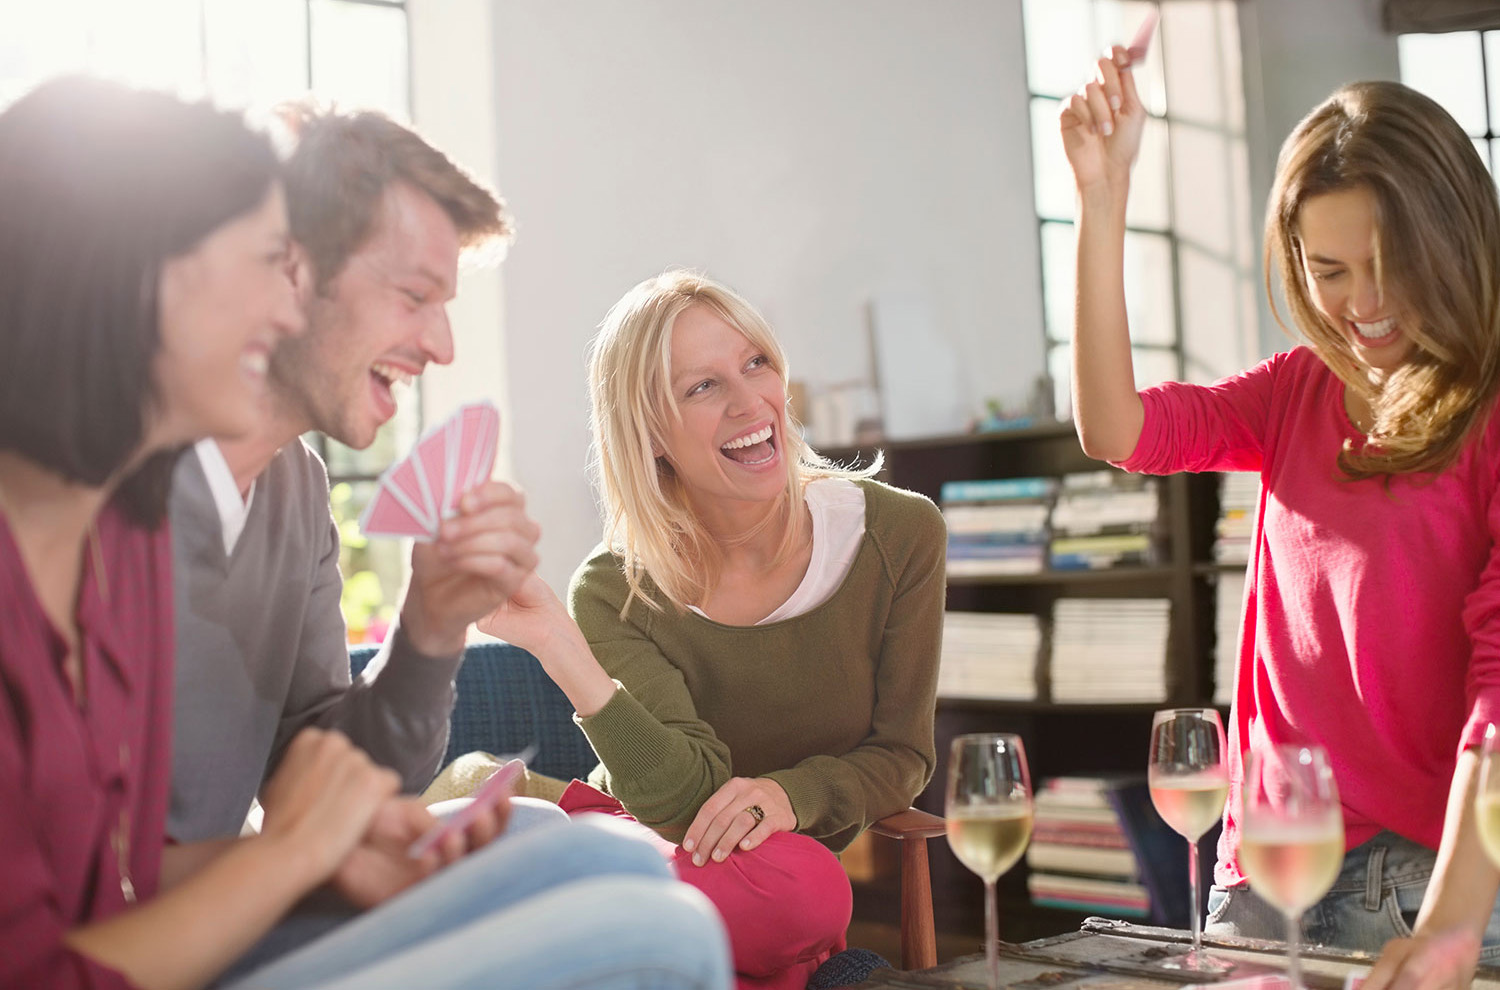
<point x="431" y="459"/>
<point x="387" y="516"/>
<point x="405" y="482"/>
<point x="1141" y="43"/>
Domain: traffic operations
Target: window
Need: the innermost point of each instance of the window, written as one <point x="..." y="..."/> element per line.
<point x="1190" y="267"/>
<point x="251" y="54"/>
<point x="1461" y="71"/>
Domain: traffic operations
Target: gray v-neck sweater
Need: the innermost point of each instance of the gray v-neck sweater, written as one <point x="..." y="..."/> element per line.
<point x="261" y="650"/>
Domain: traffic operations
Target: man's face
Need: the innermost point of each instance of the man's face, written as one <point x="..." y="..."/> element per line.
<point x="377" y="325"/>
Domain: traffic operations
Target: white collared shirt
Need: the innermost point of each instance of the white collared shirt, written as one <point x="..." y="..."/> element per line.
<point x="233" y="510"/>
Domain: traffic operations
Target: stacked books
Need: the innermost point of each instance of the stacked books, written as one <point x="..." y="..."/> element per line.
<point x="989" y="655"/>
<point x="1235" y="529"/>
<point x="1106" y="519"/>
<point x="1228" y="613"/>
<point x="1080" y="858"/>
<point x="1110" y="649"/>
<point x="997" y="526"/>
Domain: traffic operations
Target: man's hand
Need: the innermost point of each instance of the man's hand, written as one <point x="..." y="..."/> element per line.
<point x="727" y="820"/>
<point x="480" y="558"/>
<point x="1444" y="961"/>
<point x="379" y="867"/>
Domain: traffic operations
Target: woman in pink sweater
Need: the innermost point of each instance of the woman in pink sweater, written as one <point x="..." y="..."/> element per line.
<point x="1372" y="614"/>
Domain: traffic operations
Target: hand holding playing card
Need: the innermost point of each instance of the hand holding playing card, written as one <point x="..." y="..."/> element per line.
<point x="418" y="492"/>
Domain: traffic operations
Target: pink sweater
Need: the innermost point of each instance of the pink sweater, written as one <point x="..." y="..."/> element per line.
<point x="1372" y="615"/>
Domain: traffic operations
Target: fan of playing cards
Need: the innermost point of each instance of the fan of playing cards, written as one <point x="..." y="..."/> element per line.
<point x="419" y="491"/>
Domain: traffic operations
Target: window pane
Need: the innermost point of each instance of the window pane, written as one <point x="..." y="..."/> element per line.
<point x="1148" y="288"/>
<point x="1153" y="367"/>
<point x="1058" y="52"/>
<point x="374" y="570"/>
<point x="1148" y="205"/>
<point x="1059" y="267"/>
<point x="359" y="56"/>
<point x="257" y="52"/>
<point x="1051" y="174"/>
<point x="1448" y="68"/>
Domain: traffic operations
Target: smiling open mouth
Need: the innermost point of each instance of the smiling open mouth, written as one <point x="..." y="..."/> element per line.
<point x="752" y="448"/>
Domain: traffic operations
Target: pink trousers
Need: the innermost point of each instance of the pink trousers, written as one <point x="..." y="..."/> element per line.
<point x="785" y="904"/>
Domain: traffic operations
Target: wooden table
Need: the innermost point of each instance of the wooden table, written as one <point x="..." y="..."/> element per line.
<point x="1115" y="955"/>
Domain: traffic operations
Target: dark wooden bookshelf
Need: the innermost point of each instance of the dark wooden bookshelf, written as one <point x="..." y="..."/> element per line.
<point x="1060" y="739"/>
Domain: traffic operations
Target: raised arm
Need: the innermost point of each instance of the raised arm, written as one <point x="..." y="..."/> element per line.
<point x="1101" y="131"/>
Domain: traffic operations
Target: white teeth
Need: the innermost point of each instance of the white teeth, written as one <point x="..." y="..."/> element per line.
<point x="255" y="362"/>
<point x="1374" y="330"/>
<point x="392" y="374"/>
<point x="759" y="436"/>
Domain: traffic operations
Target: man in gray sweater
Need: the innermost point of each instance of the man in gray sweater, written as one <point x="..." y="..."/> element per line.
<point x="380" y="219"/>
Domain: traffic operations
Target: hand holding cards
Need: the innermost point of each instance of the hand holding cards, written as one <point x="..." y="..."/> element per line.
<point x="499" y="784"/>
<point x="415" y="495"/>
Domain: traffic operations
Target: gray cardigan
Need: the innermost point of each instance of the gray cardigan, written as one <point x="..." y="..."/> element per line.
<point x="262" y="652"/>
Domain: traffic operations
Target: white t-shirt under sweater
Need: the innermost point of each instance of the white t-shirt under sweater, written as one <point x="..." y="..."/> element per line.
<point x="837" y="507"/>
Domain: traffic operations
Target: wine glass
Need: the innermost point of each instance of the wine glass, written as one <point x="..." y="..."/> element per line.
<point x="988" y="817"/>
<point x="1189" y="779"/>
<point x="1292" y="836"/>
<point x="1487" y="801"/>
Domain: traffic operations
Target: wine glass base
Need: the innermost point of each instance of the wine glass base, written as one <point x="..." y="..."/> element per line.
<point x="1197" y="961"/>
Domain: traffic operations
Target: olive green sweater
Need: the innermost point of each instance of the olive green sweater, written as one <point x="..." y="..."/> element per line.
<point x="835" y="705"/>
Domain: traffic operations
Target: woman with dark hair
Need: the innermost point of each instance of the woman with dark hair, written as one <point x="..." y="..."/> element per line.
<point x="144" y="280"/>
<point x="1372" y="614"/>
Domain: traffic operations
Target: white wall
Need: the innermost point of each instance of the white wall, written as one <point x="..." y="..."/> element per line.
<point x="810" y="154"/>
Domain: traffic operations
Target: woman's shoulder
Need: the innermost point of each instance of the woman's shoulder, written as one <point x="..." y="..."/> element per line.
<point x="897" y="514"/>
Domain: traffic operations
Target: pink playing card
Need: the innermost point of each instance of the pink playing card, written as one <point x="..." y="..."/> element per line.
<point x="431" y="459"/>
<point x="387" y="516"/>
<point x="1141" y="43"/>
<point x="405" y="482"/>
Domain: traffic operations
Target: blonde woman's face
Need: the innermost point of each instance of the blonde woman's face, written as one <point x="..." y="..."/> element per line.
<point x="729" y="443"/>
<point x="1338" y="235"/>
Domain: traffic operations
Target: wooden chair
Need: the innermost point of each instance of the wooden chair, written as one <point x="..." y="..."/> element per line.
<point x="913" y="827"/>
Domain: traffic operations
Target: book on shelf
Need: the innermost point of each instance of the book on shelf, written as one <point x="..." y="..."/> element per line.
<point x="989" y="655"/>
<point x="1110" y="649"/>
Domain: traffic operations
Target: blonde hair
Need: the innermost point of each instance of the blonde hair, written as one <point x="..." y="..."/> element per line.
<point x="648" y="523"/>
<point x="1438" y="244"/>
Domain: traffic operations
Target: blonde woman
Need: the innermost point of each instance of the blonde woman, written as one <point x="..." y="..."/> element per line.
<point x="1372" y="621"/>
<point x="755" y="652"/>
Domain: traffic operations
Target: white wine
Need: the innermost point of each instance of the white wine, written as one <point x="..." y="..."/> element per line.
<point x="1292" y="865"/>
<point x="989" y="838"/>
<point x="1190" y="803"/>
<point x="1487" y="811"/>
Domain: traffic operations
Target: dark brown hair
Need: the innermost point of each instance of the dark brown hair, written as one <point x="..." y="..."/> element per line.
<point x="102" y="185"/>
<point x="338" y="173"/>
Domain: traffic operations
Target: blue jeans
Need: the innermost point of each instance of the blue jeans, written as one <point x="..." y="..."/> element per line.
<point x="1376" y="898"/>
<point x="567" y="906"/>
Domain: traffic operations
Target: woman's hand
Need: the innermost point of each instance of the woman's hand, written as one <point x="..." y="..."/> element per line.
<point x="726" y="822"/>
<point x="530" y="618"/>
<point x="322" y="800"/>
<point x="1102" y="125"/>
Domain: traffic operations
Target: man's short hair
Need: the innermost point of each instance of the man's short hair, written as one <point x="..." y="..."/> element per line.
<point x="340" y="168"/>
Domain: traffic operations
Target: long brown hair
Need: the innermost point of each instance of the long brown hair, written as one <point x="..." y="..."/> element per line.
<point x="1438" y="245"/>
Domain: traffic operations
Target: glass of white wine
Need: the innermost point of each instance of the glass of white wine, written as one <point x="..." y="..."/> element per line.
<point x="1487" y="802"/>
<point x="1292" y="835"/>
<point x="989" y="817"/>
<point x="1189" y="778"/>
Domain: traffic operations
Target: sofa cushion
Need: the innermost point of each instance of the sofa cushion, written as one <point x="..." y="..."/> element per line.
<point x="506" y="702"/>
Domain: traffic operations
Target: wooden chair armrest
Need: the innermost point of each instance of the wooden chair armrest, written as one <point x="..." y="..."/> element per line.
<point x="910" y="824"/>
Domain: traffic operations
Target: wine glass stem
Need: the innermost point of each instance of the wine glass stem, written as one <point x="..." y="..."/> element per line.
<point x="1193" y="896"/>
<point x="991" y="935"/>
<point x="1293" y="937"/>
